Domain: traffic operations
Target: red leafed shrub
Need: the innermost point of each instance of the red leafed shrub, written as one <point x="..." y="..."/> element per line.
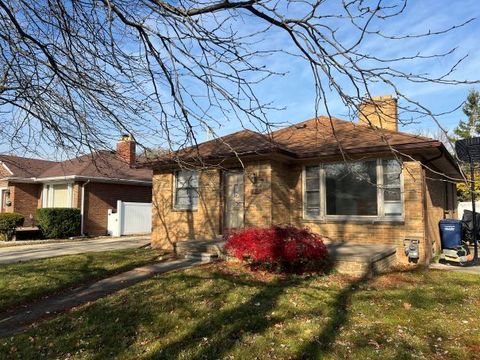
<point x="279" y="248"/>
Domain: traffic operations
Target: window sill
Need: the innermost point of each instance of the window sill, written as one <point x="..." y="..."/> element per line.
<point x="185" y="209"/>
<point x="356" y="221"/>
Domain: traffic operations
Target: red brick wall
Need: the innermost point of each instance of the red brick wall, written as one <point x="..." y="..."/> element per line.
<point x="99" y="197"/>
<point x="25" y="199"/>
<point x="126" y="150"/>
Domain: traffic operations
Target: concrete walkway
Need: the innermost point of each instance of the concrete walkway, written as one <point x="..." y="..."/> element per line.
<point x="11" y="324"/>
<point x="31" y="252"/>
<point x="466" y="269"/>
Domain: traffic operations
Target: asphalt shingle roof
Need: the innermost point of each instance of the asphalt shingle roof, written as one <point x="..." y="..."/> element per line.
<point x="101" y="164"/>
<point x="25" y="167"/>
<point x="321" y="136"/>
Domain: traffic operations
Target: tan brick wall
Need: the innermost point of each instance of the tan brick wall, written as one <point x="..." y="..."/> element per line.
<point x="276" y="198"/>
<point x="170" y="225"/>
<point x="99" y="197"/>
<point x="284" y="182"/>
<point x="25" y="199"/>
<point x="368" y="233"/>
<point x="258" y="196"/>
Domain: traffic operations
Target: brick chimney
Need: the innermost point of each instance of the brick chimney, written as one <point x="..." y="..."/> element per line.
<point x="126" y="149"/>
<point x="380" y="111"/>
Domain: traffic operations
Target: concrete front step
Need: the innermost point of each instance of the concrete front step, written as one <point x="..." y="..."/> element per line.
<point x="200" y="246"/>
<point x="361" y="259"/>
<point x="200" y="256"/>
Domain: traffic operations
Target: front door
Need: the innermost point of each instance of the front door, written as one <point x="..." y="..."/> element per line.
<point x="234" y="200"/>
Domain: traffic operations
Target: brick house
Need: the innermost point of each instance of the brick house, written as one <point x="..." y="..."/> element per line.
<point x="364" y="183"/>
<point x="92" y="183"/>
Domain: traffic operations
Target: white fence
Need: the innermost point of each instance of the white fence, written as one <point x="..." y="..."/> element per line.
<point x="130" y="218"/>
<point x="466" y="205"/>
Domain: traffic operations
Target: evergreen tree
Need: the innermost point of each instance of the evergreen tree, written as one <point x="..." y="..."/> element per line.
<point x="470" y="127"/>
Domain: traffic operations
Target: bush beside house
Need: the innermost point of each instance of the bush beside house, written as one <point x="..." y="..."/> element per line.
<point x="279" y="248"/>
<point x="55" y="223"/>
<point x="8" y="223"/>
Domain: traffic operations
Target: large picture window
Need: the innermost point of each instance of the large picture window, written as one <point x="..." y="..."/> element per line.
<point x="186" y="190"/>
<point x="358" y="189"/>
<point x="351" y="189"/>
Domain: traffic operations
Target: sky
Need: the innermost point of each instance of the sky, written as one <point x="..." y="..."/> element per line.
<point x="295" y="91"/>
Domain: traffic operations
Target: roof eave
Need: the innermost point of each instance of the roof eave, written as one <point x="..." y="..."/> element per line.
<point x="80" y="178"/>
<point x="206" y="160"/>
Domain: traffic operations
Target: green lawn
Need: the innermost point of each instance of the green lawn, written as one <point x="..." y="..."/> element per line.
<point x="224" y="312"/>
<point x="26" y="281"/>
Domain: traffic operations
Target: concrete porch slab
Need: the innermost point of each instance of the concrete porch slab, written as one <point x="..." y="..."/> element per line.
<point x="361" y="259"/>
<point x="342" y="250"/>
<point x="347" y="257"/>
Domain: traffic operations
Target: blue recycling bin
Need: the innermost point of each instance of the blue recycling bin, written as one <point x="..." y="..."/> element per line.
<point x="450" y="233"/>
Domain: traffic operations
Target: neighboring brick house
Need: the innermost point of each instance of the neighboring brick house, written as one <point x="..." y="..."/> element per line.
<point x="92" y="183"/>
<point x="395" y="186"/>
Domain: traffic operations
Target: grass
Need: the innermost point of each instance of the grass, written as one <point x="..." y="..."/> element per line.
<point x="27" y="281"/>
<point x="220" y="312"/>
<point x="226" y="312"/>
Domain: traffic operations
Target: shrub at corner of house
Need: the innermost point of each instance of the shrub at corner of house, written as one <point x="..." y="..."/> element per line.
<point x="8" y="223"/>
<point x="279" y="248"/>
<point x="56" y="223"/>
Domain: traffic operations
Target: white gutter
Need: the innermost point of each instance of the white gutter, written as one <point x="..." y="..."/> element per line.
<point x="82" y="208"/>
<point x="80" y="178"/>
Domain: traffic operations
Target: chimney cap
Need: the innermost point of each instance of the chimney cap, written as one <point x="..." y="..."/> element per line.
<point x="126" y="137"/>
<point x="366" y="98"/>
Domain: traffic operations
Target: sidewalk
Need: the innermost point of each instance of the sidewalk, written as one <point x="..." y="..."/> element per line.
<point x="466" y="269"/>
<point x="11" y="324"/>
<point x="14" y="254"/>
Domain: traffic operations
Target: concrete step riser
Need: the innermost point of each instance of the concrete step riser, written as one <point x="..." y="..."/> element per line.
<point x="201" y="256"/>
<point x="198" y="249"/>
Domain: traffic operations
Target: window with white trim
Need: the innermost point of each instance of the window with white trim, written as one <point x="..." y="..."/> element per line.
<point x="312" y="191"/>
<point x="186" y="190"/>
<point x="369" y="189"/>
<point x="392" y="188"/>
<point x="57" y="195"/>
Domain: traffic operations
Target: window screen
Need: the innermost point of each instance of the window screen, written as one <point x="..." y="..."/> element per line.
<point x="312" y="191"/>
<point x="186" y="189"/>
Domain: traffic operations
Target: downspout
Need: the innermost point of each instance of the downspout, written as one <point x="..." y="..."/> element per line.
<point x="426" y="238"/>
<point x="82" y="208"/>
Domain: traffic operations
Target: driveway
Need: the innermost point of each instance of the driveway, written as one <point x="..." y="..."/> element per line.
<point x="40" y="251"/>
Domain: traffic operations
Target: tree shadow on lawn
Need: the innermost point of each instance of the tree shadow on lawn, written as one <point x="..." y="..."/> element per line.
<point x="419" y="297"/>
<point x="217" y="335"/>
<point x="120" y="325"/>
<point x="43" y="278"/>
<point x="54" y="279"/>
<point x="322" y="343"/>
<point x="155" y="311"/>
